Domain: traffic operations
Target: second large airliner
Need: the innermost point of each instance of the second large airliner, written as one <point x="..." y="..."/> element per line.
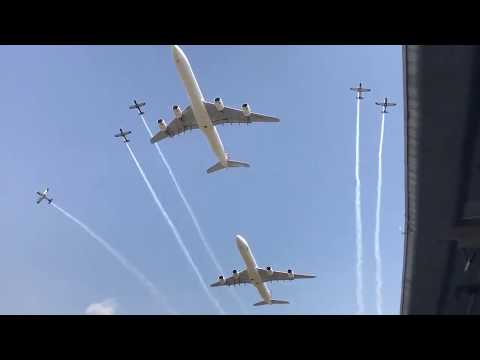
<point x="204" y="115"/>
<point x="257" y="276"/>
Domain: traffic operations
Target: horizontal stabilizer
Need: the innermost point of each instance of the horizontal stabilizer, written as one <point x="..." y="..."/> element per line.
<point x="272" y="303"/>
<point x="230" y="163"/>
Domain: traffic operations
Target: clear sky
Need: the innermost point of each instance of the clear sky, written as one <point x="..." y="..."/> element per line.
<point x="61" y="106"/>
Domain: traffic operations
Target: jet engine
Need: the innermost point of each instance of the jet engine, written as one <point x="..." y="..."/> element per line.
<point x="162" y="124"/>
<point x="219" y="104"/>
<point x="177" y="111"/>
<point x="291" y="276"/>
<point x="221" y="279"/>
<point x="246" y="110"/>
<point x="269" y="270"/>
<point x="235" y="274"/>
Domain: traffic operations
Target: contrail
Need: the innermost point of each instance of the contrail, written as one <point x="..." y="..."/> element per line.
<point x="192" y="215"/>
<point x="175" y="232"/>
<point x="126" y="264"/>
<point x="358" y="217"/>
<point x="378" y="259"/>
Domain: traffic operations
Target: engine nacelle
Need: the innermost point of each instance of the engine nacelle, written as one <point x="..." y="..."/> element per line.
<point x="269" y="270"/>
<point x="246" y="110"/>
<point x="219" y="104"/>
<point x="162" y="124"/>
<point x="291" y="276"/>
<point x="177" y="111"/>
<point x="221" y="279"/>
<point x="235" y="274"/>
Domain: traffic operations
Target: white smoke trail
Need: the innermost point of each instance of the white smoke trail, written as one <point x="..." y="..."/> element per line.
<point x="125" y="263"/>
<point x="192" y="214"/>
<point x="175" y="232"/>
<point x="358" y="217"/>
<point x="378" y="259"/>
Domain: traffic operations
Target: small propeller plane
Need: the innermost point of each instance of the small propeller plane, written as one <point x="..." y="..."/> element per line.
<point x="124" y="135"/>
<point x="385" y="104"/>
<point x="359" y="90"/>
<point x="137" y="106"/>
<point x="42" y="196"/>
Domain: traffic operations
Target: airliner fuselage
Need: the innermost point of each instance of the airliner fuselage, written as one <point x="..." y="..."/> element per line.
<point x="198" y="108"/>
<point x="251" y="264"/>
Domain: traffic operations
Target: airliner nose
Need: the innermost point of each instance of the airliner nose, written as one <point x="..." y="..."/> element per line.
<point x="241" y="243"/>
<point x="177" y="51"/>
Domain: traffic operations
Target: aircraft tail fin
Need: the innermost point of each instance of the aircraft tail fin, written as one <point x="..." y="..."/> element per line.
<point x="276" y="302"/>
<point x="230" y="163"/>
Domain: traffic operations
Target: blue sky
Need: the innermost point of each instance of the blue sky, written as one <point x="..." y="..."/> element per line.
<point x="295" y="205"/>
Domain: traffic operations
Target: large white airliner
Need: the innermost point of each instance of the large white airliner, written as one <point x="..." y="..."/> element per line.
<point x="204" y="115"/>
<point x="257" y="276"/>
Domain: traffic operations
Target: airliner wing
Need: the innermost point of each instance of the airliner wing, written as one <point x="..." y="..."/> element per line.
<point x="280" y="275"/>
<point x="234" y="116"/>
<point x="177" y="126"/>
<point x="232" y="280"/>
<point x="39" y="200"/>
